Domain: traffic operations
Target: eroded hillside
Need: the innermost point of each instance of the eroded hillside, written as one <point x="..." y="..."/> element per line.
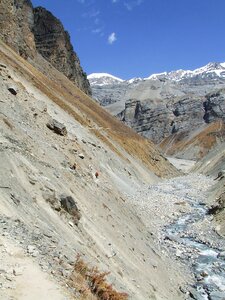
<point x="96" y="161"/>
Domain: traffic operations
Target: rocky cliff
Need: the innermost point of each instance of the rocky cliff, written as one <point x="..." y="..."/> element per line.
<point x="16" y="24"/>
<point x="53" y="43"/>
<point x="171" y="109"/>
<point x="30" y="31"/>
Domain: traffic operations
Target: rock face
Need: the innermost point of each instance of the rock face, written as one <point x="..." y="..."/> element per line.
<point x="53" y="43"/>
<point x="16" y="24"/>
<point x="170" y="108"/>
<point x="29" y="31"/>
<point x="157" y="120"/>
<point x="215" y="106"/>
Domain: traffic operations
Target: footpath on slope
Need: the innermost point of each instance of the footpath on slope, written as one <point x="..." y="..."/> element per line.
<point x="175" y="211"/>
<point x="21" y="278"/>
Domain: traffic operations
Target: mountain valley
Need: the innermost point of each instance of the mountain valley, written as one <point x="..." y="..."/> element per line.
<point x="176" y="110"/>
<point x="93" y="209"/>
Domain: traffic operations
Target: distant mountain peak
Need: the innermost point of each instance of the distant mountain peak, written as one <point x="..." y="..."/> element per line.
<point x="103" y="79"/>
<point x="212" y="69"/>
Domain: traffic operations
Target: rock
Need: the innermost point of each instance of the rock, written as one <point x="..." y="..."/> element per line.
<point x="53" y="43"/>
<point x="69" y="205"/>
<point x="17" y="271"/>
<point x="32" y="250"/>
<point x="214" y="106"/>
<point x="204" y="274"/>
<point x="195" y="295"/>
<point x="220" y="175"/>
<point x="29" y="31"/>
<point x="222" y="254"/>
<point x="218" y="206"/>
<point x="81" y="156"/>
<point x="179" y="253"/>
<point x="164" y="108"/>
<point x="12" y="90"/>
<point x="57" y="127"/>
<point x="2" y="66"/>
<point x="71" y="224"/>
<point x="16" y="26"/>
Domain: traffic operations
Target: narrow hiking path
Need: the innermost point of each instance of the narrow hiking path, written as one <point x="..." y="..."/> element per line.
<point x="21" y="278"/>
<point x="175" y="211"/>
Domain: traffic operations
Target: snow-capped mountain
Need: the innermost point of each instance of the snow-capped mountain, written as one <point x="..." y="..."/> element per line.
<point x="211" y="70"/>
<point x="178" y="102"/>
<point x="103" y="79"/>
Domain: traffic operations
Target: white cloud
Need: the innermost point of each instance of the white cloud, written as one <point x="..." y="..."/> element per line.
<point x="114" y="1"/>
<point x="98" y="30"/>
<point x="112" y="38"/>
<point x="132" y="4"/>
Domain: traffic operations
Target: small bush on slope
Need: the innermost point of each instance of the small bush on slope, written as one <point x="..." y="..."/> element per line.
<point x="90" y="281"/>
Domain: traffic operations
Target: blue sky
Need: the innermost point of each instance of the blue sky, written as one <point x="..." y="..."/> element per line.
<point x="135" y="38"/>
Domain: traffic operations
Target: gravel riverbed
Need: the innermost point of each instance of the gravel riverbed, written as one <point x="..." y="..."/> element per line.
<point x="175" y="211"/>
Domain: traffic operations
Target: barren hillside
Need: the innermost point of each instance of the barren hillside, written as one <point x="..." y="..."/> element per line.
<point x="88" y="160"/>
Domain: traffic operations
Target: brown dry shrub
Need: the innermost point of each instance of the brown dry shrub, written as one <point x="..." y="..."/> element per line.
<point x="91" y="280"/>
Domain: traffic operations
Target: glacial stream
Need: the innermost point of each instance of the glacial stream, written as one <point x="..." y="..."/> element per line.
<point x="207" y="262"/>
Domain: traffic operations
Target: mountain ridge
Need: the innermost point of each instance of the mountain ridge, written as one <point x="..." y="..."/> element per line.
<point x="176" y="75"/>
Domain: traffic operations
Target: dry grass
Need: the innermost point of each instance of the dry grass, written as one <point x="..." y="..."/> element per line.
<point x="205" y="140"/>
<point x="92" y="284"/>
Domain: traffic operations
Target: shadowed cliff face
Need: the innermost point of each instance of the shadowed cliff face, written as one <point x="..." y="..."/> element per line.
<point x="29" y="31"/>
<point x="16" y="23"/>
<point x="53" y="43"/>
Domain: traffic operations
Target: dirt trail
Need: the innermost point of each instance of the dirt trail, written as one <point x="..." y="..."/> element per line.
<point x="22" y="279"/>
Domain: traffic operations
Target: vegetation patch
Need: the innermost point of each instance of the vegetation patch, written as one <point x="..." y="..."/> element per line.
<point x="92" y="284"/>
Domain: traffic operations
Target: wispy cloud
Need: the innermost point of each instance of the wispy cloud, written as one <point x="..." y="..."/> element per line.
<point x="112" y="38"/>
<point x="91" y="14"/>
<point x="114" y="1"/>
<point x="99" y="30"/>
<point x="132" y="4"/>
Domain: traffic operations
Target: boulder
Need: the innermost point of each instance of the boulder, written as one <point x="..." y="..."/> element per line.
<point x="12" y="90"/>
<point x="69" y="205"/>
<point x="57" y="127"/>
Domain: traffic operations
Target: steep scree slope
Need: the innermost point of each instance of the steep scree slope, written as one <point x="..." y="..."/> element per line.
<point x="38" y="166"/>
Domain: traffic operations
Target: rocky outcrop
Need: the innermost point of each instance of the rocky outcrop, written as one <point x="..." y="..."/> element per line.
<point x="174" y="109"/>
<point x="162" y="119"/>
<point x="215" y="106"/>
<point x="53" y="43"/>
<point x="29" y="31"/>
<point x="16" y="24"/>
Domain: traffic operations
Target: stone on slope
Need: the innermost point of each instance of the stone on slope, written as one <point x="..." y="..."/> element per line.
<point x="57" y="127"/>
<point x="69" y="205"/>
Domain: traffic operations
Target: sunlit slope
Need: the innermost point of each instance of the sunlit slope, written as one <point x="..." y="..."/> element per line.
<point x="59" y="89"/>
